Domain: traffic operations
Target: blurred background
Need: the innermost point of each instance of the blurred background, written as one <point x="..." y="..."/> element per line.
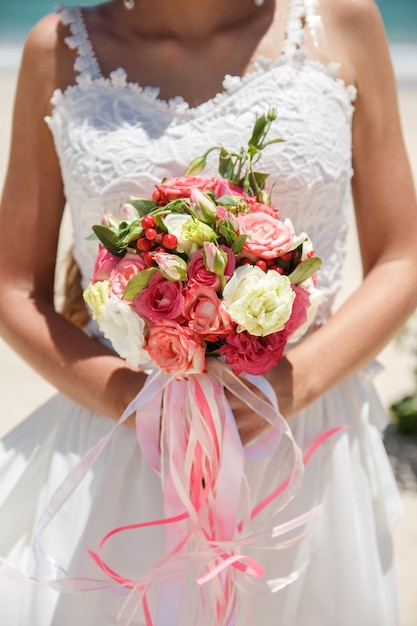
<point x="400" y="18"/>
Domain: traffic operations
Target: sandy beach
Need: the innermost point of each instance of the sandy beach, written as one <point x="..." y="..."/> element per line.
<point x="22" y="389"/>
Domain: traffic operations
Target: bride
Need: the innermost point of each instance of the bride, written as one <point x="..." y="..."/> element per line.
<point x="111" y="100"/>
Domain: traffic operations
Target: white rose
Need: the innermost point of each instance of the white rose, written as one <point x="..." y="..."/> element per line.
<point x="125" y="329"/>
<point x="96" y="296"/>
<point x="174" y="223"/>
<point x="296" y="240"/>
<point x="316" y="297"/>
<point x="259" y="302"/>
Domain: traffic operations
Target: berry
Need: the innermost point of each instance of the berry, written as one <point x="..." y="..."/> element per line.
<point x="287" y="256"/>
<point x="261" y="264"/>
<point x="278" y="269"/>
<point x="148" y="221"/>
<point x="169" y="241"/>
<point x="150" y="233"/>
<point x="148" y="257"/>
<point x="143" y="244"/>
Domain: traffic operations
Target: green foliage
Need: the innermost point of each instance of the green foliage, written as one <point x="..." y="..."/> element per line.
<point x="304" y="270"/>
<point x="138" y="282"/>
<point x="238" y="166"/>
<point x="405" y="415"/>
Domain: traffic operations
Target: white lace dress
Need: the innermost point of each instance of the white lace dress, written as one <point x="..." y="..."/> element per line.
<point x="114" y="139"/>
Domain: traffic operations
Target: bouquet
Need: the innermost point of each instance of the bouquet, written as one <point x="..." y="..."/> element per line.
<point x="205" y="267"/>
<point x="204" y="284"/>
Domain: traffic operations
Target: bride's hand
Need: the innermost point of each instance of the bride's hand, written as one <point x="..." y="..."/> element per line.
<point x="251" y="425"/>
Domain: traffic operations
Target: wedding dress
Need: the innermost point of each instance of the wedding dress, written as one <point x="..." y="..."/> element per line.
<point x="116" y="139"/>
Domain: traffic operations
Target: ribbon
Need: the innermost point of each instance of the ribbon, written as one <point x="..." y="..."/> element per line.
<point x="209" y="514"/>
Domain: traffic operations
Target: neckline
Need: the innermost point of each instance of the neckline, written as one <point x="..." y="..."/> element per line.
<point x="87" y="65"/>
<point x="293" y="53"/>
<point x="231" y="84"/>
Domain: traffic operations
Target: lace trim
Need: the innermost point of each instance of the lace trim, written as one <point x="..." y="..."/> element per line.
<point x="86" y="63"/>
<point x="231" y="84"/>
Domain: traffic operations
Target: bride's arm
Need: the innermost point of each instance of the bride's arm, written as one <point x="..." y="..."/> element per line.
<point x="386" y="216"/>
<point x="30" y="216"/>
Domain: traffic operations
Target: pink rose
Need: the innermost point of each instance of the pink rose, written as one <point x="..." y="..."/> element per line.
<point x="199" y="275"/>
<point x="258" y="207"/>
<point x="206" y="313"/>
<point x="104" y="263"/>
<point x="253" y="354"/>
<point x="226" y="188"/>
<point x="127" y="267"/>
<point x="181" y="187"/>
<point x="299" y="309"/>
<point x="175" y="349"/>
<point x="161" y="299"/>
<point x="231" y="261"/>
<point x="268" y="237"/>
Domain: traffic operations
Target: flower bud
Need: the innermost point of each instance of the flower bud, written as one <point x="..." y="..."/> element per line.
<point x="205" y="209"/>
<point x="215" y="259"/>
<point x="171" y="266"/>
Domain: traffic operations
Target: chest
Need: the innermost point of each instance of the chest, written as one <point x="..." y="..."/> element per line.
<point x="114" y="132"/>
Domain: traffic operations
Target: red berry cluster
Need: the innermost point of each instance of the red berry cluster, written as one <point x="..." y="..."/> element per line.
<point x="283" y="264"/>
<point x="153" y="240"/>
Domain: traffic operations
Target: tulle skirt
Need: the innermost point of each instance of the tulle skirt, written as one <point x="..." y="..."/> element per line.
<point x="345" y="562"/>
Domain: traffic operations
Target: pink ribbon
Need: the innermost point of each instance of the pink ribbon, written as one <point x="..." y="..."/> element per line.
<point x="209" y="516"/>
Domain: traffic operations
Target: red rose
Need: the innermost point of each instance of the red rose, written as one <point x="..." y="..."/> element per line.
<point x="253" y="354"/>
<point x="299" y="309"/>
<point x="161" y="299"/>
<point x="198" y="274"/>
<point x="181" y="187"/>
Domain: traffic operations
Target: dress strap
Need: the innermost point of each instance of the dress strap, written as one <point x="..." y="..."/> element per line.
<point x="301" y="14"/>
<point x="295" y="31"/>
<point x="315" y="26"/>
<point x="86" y="63"/>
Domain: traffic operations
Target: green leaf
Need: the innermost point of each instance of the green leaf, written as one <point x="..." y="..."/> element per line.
<point x="109" y="239"/>
<point x="238" y="243"/>
<point x="226" y="232"/>
<point x="260" y="178"/>
<point x="306" y="269"/>
<point x="129" y="231"/>
<point x="160" y="224"/>
<point x="271" y="141"/>
<point x="227" y="200"/>
<point x="138" y="282"/>
<point x="143" y="206"/>
<point x="226" y="164"/>
<point x="258" y="131"/>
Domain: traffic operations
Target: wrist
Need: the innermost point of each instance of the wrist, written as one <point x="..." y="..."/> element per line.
<point x="123" y="386"/>
<point x="292" y="384"/>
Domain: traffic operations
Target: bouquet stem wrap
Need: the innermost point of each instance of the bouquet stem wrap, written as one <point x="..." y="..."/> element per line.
<point x="187" y="433"/>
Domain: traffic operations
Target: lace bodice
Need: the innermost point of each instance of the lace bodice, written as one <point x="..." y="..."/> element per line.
<point x="116" y="139"/>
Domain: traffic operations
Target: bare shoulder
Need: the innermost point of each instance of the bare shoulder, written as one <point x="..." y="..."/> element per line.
<point x="356" y="35"/>
<point x="47" y="63"/>
<point x="352" y="12"/>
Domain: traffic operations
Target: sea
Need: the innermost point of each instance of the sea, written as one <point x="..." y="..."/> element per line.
<point x="400" y="20"/>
